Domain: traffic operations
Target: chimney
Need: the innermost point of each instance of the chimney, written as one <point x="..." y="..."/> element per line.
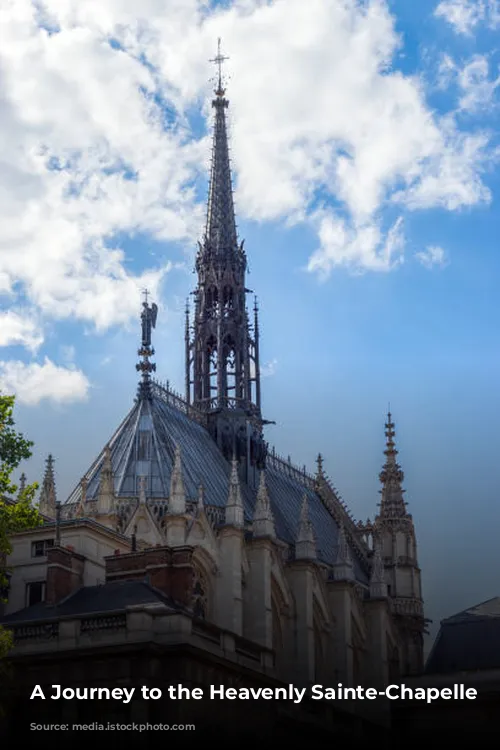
<point x="64" y="573"/>
<point x="170" y="570"/>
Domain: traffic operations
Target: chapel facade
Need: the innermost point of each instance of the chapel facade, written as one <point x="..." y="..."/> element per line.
<point x="275" y="555"/>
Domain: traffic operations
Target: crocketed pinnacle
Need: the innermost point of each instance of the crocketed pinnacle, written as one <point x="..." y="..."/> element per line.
<point x="177" y="500"/>
<point x="48" y="492"/>
<point x="234" y="509"/>
<point x="263" y="519"/>
<point x="305" y="544"/>
<point x="392" y="504"/>
<point x="343" y="568"/>
<point x="105" y="495"/>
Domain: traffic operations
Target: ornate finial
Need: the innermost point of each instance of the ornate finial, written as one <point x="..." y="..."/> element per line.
<point x="319" y="464"/>
<point x="235" y="515"/>
<point x="177" y="499"/>
<point x="343" y="570"/>
<point x="218" y="61"/>
<point x="148" y="322"/>
<point x="263" y="519"/>
<point x="48" y="492"/>
<point x="391" y="477"/>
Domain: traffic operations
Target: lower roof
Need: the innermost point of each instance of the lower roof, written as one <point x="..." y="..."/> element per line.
<point x="468" y="641"/>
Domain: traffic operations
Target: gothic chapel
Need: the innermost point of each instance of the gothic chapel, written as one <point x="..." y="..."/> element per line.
<point x="277" y="559"/>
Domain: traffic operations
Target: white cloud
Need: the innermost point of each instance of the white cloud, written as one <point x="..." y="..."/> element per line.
<point x="473" y="80"/>
<point x="432" y="256"/>
<point x="86" y="154"/>
<point x="32" y="383"/>
<point x="466" y="15"/>
<point x="364" y="248"/>
<point x="19" y="329"/>
<point x="477" y="87"/>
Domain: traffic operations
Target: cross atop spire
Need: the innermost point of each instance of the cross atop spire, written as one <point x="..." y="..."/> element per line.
<point x="219" y="60"/>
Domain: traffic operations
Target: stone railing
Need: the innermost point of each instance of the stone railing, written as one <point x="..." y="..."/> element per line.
<point x="36" y="633"/>
<point x="409" y="607"/>
<point x="103" y="622"/>
<point x="138" y="624"/>
<point x="215" y="514"/>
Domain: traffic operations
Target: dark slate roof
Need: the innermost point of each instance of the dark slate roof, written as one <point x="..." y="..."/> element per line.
<point x="468" y="641"/>
<point x="160" y="424"/>
<point x="110" y="597"/>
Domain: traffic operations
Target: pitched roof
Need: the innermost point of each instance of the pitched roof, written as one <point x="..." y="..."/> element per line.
<point x="468" y="641"/>
<point x="88" y="600"/>
<point x="144" y="445"/>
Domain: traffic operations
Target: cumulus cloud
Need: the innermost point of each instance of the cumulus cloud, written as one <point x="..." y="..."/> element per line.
<point x="432" y="257"/>
<point x="20" y="329"/>
<point x="95" y="103"/>
<point x="34" y="382"/>
<point x="466" y="15"/>
<point x="364" y="248"/>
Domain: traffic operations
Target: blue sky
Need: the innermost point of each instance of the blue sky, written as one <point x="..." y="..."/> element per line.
<point x="365" y="152"/>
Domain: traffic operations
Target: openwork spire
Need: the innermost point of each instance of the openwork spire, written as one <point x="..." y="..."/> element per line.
<point x="222" y="376"/>
<point x="146" y="351"/>
<point x="48" y="492"/>
<point x="392" y="504"/>
<point x="220" y="231"/>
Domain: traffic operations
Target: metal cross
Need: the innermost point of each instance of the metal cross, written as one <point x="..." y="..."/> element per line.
<point x="146" y="294"/>
<point x="219" y="60"/>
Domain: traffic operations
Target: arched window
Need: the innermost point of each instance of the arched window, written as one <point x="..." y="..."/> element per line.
<point x="228" y="299"/>
<point x="211" y="365"/>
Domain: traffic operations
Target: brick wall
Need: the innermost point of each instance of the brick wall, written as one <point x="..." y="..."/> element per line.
<point x="166" y="569"/>
<point x="64" y="573"/>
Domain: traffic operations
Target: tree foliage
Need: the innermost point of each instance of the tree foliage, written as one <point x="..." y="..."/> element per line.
<point x="22" y="514"/>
